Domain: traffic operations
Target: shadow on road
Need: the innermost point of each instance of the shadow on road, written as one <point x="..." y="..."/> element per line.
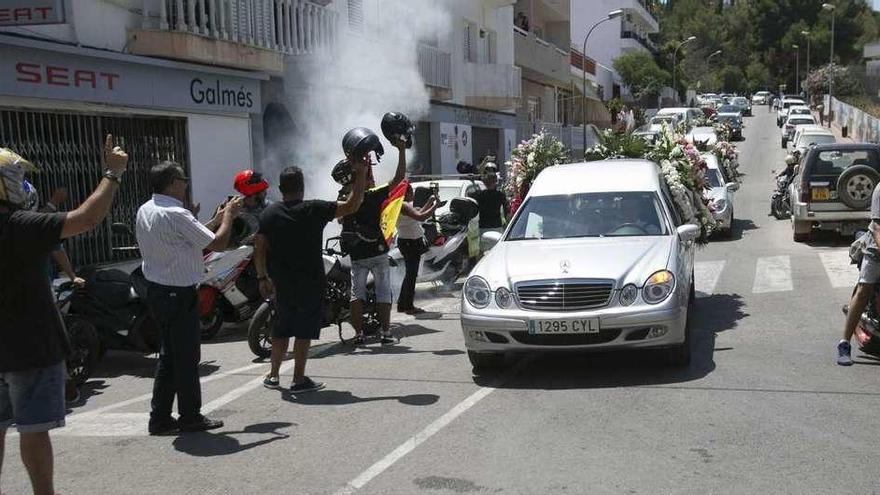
<point x="740" y="225"/>
<point x="211" y="444"/>
<point x="344" y="397"/>
<point x="825" y="238"/>
<point x="125" y="363"/>
<point x="711" y="315"/>
<point x="373" y="347"/>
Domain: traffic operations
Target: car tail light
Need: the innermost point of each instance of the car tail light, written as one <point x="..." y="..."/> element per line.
<point x="805" y="189"/>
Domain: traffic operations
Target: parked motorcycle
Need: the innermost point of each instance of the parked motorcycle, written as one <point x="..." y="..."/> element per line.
<point x="780" y="201"/>
<point x="337" y="304"/>
<point x="83" y="337"/>
<point x="448" y="255"/>
<point x="229" y="291"/>
<point x="112" y="301"/>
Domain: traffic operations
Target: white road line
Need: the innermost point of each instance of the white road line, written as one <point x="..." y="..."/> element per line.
<point x="773" y="274"/>
<point x="841" y="272"/>
<point x="414" y="441"/>
<point x="706" y="275"/>
<point x="241" y="390"/>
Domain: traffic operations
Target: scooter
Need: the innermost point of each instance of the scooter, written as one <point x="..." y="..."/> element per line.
<point x="448" y="255"/>
<point x="336" y="307"/>
<point x="229" y="291"/>
<point x="113" y="302"/>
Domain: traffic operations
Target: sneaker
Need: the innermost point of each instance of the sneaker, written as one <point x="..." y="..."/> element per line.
<point x="203" y="423"/>
<point x="72" y="397"/>
<point x="388" y="338"/>
<point x="271" y="382"/>
<point x="843" y="354"/>
<point x="163" y="427"/>
<point x="415" y="311"/>
<point x="307" y="385"/>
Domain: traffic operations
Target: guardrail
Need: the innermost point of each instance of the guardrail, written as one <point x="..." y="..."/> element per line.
<point x="435" y="66"/>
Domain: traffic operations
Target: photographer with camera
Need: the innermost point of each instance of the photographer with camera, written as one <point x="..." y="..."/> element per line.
<point x="412" y="243"/>
<point x="492" y="203"/>
<point x="362" y="233"/>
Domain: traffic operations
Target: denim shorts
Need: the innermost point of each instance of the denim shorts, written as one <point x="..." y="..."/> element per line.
<point x="381" y="270"/>
<point x="869" y="273"/>
<point x="33" y="400"/>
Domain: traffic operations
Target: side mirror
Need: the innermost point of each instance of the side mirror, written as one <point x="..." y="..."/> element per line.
<point x="490" y="239"/>
<point x="121" y="229"/>
<point x="732" y="186"/>
<point x="688" y="232"/>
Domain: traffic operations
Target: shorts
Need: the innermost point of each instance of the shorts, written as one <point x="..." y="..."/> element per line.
<point x="33" y="400"/>
<point x="869" y="273"/>
<point x="381" y="270"/>
<point x="302" y="321"/>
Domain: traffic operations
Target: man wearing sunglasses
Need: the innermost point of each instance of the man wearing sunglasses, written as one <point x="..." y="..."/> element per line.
<point x="171" y="242"/>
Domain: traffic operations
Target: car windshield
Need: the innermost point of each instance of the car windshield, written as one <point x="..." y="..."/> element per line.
<point x="728" y="109"/>
<point x="801" y="121"/>
<point x="807" y="140"/>
<point x="713" y="175"/>
<point x="790" y="103"/>
<point x="447" y="193"/>
<point x="661" y="119"/>
<point x="613" y="214"/>
<point x="834" y="162"/>
<point x="799" y="111"/>
<point x="740" y="101"/>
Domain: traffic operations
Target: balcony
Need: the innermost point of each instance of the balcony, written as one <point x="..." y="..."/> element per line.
<point x="435" y="67"/>
<point x="244" y="34"/>
<point x="582" y="63"/>
<point x="645" y="10"/>
<point x="540" y="59"/>
<point x="634" y="41"/>
<point x="492" y="86"/>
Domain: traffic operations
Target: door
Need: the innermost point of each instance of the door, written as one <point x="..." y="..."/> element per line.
<point x="485" y="142"/>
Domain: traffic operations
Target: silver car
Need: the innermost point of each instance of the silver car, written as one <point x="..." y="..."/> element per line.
<point x="596" y="258"/>
<point x="721" y="194"/>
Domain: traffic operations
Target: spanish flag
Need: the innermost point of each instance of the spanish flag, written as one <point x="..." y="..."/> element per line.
<point x="390" y="211"/>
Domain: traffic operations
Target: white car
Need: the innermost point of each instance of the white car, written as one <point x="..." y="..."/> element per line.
<point x="721" y="195"/>
<point x="658" y="121"/>
<point x="760" y="98"/>
<point x="806" y="136"/>
<point x="684" y="114"/>
<point x="457" y="188"/>
<point x="784" y="105"/>
<point x="791" y="123"/>
<point x="596" y="258"/>
<point x="798" y="110"/>
<point x="704" y="135"/>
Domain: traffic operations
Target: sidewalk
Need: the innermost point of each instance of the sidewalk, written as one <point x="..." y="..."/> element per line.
<point x="838" y="134"/>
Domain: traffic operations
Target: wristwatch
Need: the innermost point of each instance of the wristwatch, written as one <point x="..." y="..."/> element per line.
<point x="114" y="176"/>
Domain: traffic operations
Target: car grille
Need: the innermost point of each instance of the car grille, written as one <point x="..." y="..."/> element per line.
<point x="562" y="295"/>
<point x="604" y="336"/>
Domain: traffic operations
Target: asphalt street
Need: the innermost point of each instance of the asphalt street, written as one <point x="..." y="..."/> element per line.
<point x="763" y="408"/>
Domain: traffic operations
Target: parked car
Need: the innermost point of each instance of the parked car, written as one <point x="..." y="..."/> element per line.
<point x="743" y="104"/>
<point x="596" y="258"/>
<point x="782" y="109"/>
<point x="705" y="135"/>
<point x="669" y="119"/>
<point x="833" y="187"/>
<point x="761" y="98"/>
<point x="799" y="110"/>
<point x="791" y="123"/>
<point x="721" y="195"/>
<point x="687" y="115"/>
<point x="806" y="136"/>
<point x="731" y="114"/>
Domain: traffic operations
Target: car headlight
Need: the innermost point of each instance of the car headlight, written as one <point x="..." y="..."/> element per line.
<point x="720" y="204"/>
<point x="477" y="293"/>
<point x="628" y="294"/>
<point x="658" y="287"/>
<point x="503" y="298"/>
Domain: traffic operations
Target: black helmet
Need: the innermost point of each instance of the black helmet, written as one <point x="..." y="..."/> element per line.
<point x="396" y="125"/>
<point x="343" y="173"/>
<point x="360" y="141"/>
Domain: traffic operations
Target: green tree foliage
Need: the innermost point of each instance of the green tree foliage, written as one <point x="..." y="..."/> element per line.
<point x="756" y="38"/>
<point x="641" y="73"/>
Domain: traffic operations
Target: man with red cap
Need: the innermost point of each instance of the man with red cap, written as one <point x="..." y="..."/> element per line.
<point x="252" y="186"/>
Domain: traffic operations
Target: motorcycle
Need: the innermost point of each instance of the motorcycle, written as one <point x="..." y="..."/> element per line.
<point x="448" y="255"/>
<point x="336" y="307"/>
<point x="230" y="291"/>
<point x="113" y="302"/>
<point x="85" y="348"/>
<point x="780" y="201"/>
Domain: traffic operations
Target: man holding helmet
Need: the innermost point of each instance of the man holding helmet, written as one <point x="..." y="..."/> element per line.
<point x="253" y="187"/>
<point x="33" y="342"/>
<point x="362" y="232"/>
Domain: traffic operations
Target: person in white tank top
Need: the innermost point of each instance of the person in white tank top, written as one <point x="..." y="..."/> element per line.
<point x="412" y="244"/>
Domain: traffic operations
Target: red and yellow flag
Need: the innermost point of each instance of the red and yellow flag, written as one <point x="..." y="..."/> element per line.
<point x="390" y="211"/>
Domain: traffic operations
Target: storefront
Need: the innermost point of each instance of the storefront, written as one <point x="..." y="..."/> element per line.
<point x="58" y="101"/>
<point x="468" y="134"/>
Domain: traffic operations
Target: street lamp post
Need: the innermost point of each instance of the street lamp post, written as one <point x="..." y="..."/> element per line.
<point x="806" y="34"/>
<point x="713" y="54"/>
<point x="611" y="15"/>
<point x="675" y="62"/>
<point x="830" y="7"/>
<point x="797" y="69"/>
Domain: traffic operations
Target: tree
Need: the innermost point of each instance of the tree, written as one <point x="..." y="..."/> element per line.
<point x="641" y="73"/>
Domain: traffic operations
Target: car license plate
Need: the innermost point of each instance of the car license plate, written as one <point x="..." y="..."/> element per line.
<point x="580" y="325"/>
<point x="820" y="194"/>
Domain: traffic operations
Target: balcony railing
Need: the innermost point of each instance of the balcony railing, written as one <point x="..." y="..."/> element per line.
<point x="645" y="42"/>
<point x="435" y="67"/>
<point x="580" y="62"/>
<point x="287" y="26"/>
<point x="540" y="56"/>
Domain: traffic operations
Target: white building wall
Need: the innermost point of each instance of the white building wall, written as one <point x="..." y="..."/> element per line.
<point x="219" y="146"/>
<point x="92" y="23"/>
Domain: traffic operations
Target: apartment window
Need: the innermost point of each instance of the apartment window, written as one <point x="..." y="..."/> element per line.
<point x="535" y="113"/>
<point x="470" y="44"/>
<point x="356" y="15"/>
<point x="491" y="46"/>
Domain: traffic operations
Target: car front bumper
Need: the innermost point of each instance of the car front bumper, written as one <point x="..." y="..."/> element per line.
<point x="641" y="326"/>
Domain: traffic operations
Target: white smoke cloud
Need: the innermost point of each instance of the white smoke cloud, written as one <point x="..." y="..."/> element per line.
<point x="368" y="74"/>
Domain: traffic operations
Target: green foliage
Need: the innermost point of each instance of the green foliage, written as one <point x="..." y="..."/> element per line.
<point x="641" y="73"/>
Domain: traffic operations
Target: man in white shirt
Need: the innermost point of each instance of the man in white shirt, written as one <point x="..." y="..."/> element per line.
<point x="171" y="242"/>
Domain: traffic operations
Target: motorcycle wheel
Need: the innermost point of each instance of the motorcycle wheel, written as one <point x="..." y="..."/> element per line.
<point x="775" y="208"/>
<point x="260" y="331"/>
<point x="211" y="323"/>
<point x="456" y="267"/>
<point x="85" y="349"/>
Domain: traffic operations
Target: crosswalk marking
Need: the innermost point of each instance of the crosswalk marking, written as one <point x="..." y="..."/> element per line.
<point x="773" y="274"/>
<point x="706" y="275"/>
<point x="841" y="272"/>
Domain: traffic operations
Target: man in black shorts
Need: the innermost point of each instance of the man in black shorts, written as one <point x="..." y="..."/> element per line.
<point x="289" y="264"/>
